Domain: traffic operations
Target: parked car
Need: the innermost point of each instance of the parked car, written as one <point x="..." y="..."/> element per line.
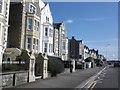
<point x="117" y="64"/>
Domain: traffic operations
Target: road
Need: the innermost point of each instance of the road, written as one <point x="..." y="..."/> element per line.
<point x="109" y="78"/>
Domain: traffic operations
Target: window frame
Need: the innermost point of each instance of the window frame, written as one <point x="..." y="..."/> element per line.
<point x="31" y="10"/>
<point x="29" y="43"/>
<point x="46" y="32"/>
<point x="50" y="32"/>
<point x="30" y="24"/>
<point x="34" y="41"/>
<point x="37" y="42"/>
<point x="36" y="25"/>
<point x="63" y="45"/>
<point x="45" y="47"/>
<point x="1" y="5"/>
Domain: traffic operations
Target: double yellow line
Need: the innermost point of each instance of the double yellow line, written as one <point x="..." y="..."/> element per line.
<point x="92" y="85"/>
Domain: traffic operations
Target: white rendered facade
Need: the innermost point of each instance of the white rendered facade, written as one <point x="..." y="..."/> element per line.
<point x="4" y="16"/>
<point x="63" y="42"/>
<point x="66" y="52"/>
<point x="46" y="29"/>
<point x="86" y="52"/>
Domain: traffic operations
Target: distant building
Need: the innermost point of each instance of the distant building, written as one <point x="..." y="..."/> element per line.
<point x="56" y="40"/>
<point x="81" y="50"/>
<point x="46" y="29"/>
<point x="100" y="57"/>
<point x="73" y="48"/>
<point x="93" y="53"/>
<point x="86" y="52"/>
<point x="24" y="30"/>
<point x="60" y="40"/>
<point x="4" y="16"/>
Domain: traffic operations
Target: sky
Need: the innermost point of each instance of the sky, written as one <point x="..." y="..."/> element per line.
<point x="96" y="23"/>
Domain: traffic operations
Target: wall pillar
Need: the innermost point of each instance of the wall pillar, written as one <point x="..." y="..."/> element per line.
<point x="45" y="66"/>
<point x="43" y="60"/>
<point x="32" y="68"/>
<point x="84" y="65"/>
<point x="73" y="63"/>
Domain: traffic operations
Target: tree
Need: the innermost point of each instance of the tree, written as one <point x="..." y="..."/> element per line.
<point x="23" y="58"/>
<point x="89" y="59"/>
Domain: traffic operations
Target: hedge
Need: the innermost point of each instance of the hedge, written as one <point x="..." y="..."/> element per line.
<point x="55" y="65"/>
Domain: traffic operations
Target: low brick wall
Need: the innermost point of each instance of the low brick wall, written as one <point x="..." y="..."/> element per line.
<point x="10" y="79"/>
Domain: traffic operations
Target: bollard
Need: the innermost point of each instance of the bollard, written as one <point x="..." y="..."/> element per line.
<point x="14" y="81"/>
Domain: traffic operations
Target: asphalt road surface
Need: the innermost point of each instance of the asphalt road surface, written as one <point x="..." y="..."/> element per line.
<point x="109" y="79"/>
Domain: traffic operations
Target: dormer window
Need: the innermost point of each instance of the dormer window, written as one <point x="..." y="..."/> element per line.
<point x="32" y="9"/>
<point x="47" y="19"/>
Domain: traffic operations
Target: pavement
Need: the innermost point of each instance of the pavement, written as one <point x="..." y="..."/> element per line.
<point x="66" y="80"/>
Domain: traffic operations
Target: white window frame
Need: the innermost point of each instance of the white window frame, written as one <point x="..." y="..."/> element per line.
<point x="45" y="47"/>
<point x="37" y="42"/>
<point x="29" y="43"/>
<point x="47" y="19"/>
<point x="36" y="25"/>
<point x="63" y="45"/>
<point x="34" y="42"/>
<point x="49" y="48"/>
<point x="50" y="32"/>
<point x="1" y="5"/>
<point x="29" y="24"/>
<point x="32" y="8"/>
<point x="46" y="32"/>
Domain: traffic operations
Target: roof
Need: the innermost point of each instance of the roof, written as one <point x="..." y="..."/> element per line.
<point x="79" y="41"/>
<point x="12" y="50"/>
<point x="57" y="25"/>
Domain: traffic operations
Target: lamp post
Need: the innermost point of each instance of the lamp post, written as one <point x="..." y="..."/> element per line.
<point x="106" y="50"/>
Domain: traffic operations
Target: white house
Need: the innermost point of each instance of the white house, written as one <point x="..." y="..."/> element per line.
<point x="46" y="35"/>
<point x="4" y="16"/>
<point x="86" y="52"/>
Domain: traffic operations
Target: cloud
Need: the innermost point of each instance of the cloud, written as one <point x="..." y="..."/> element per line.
<point x="94" y="19"/>
<point x="69" y="21"/>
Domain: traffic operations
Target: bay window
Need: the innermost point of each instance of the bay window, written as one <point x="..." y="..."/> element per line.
<point x="29" y="23"/>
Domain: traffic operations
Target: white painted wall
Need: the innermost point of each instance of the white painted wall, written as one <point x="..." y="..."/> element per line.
<point x="4" y="27"/>
<point x="66" y="55"/>
<point x="45" y="12"/>
<point x="86" y="53"/>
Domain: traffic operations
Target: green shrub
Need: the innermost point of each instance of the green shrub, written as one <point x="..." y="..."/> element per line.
<point x="89" y="59"/>
<point x="23" y="57"/>
<point x="9" y="67"/>
<point x="55" y="65"/>
<point x="17" y="67"/>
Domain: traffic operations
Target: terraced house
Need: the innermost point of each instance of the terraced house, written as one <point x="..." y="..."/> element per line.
<point x="46" y="29"/>
<point x="4" y="16"/>
<point x="24" y="30"/>
<point x="81" y="50"/>
<point x="60" y="41"/>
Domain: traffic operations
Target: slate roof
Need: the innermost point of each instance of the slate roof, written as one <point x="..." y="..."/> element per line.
<point x="56" y="25"/>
